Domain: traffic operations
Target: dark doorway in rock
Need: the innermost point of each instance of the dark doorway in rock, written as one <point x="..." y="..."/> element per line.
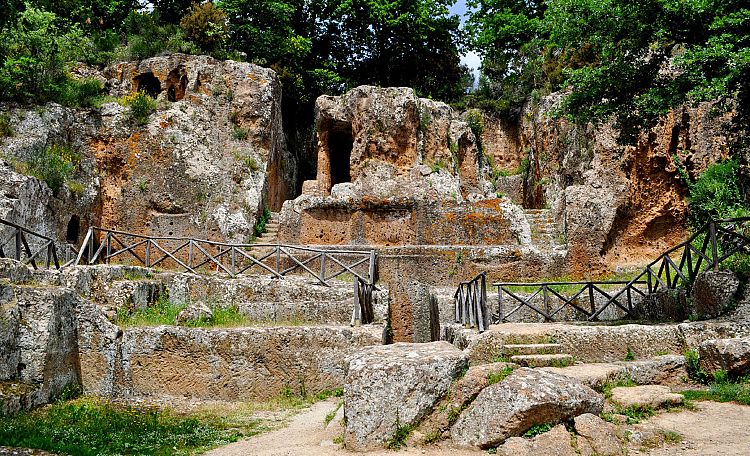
<point x="340" y="145"/>
<point x="74" y="230"/>
<point x="176" y="84"/>
<point x="148" y="83"/>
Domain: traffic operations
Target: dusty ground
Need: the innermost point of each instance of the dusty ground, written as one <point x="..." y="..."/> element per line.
<point x="711" y="429"/>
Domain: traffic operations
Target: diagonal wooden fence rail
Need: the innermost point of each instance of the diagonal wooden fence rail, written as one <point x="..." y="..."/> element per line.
<point x="34" y="249"/>
<point x="712" y="244"/>
<point x="678" y="267"/>
<point x="200" y="256"/>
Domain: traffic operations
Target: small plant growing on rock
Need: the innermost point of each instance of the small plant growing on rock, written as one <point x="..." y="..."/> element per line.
<point x="54" y="165"/>
<point x="537" y="429"/>
<point x="497" y="377"/>
<point x="630" y="356"/>
<point x="239" y="133"/>
<point x="5" y="128"/>
<point x="399" y="437"/>
<point x="694" y="369"/>
<point x="140" y="106"/>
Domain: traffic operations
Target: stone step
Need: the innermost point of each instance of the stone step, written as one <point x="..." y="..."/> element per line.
<point x="553" y="360"/>
<point x="531" y="349"/>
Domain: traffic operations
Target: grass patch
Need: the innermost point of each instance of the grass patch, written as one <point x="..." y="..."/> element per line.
<point x="90" y="426"/>
<point x="634" y="413"/>
<point x="607" y="387"/>
<point x="630" y="356"/>
<point x="694" y="370"/>
<point x="164" y="312"/>
<point x="722" y="392"/>
<point x="239" y="133"/>
<point x="399" y="438"/>
<point x="333" y="413"/>
<point x="537" y="429"/>
<point x="497" y="377"/>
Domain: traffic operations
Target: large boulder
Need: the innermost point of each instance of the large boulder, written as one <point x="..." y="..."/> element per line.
<point x="596" y="436"/>
<point x="525" y="398"/>
<point x="393" y="386"/>
<point x="713" y="292"/>
<point x="663" y="305"/>
<point x="193" y="313"/>
<point x="730" y="355"/>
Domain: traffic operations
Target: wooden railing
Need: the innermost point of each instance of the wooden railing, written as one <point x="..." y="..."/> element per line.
<point x="29" y="247"/>
<point x="678" y="267"/>
<point x="470" y="302"/>
<point x="200" y="256"/>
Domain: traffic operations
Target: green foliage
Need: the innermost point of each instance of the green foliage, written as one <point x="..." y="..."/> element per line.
<point x="260" y="225"/>
<point x="251" y="164"/>
<point x="694" y="369"/>
<point x="80" y="93"/>
<point x="634" y="413"/>
<point x="537" y="429"/>
<point x="239" y="133"/>
<point x="164" y="312"/>
<point x="90" y="426"/>
<point x="630" y="356"/>
<point x="606" y="388"/>
<point x="723" y="390"/>
<point x="6" y="130"/>
<point x="497" y="377"/>
<point x="206" y="26"/>
<point x="35" y="51"/>
<point x="54" y="165"/>
<point x="140" y="105"/>
<point x="611" y="54"/>
<point x="399" y="438"/>
<point x="718" y="193"/>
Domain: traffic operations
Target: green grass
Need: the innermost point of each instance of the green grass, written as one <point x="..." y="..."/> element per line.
<point x="722" y="391"/>
<point x="90" y="426"/>
<point x="634" y="413"/>
<point x="331" y="415"/>
<point x="537" y="429"/>
<point x="497" y="377"/>
<point x="164" y="312"/>
<point x="606" y="388"/>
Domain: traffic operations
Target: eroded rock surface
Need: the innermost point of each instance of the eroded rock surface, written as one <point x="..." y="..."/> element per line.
<point x="729" y="355"/>
<point x="713" y="291"/>
<point x="654" y="396"/>
<point x="395" y="385"/>
<point x="525" y="398"/>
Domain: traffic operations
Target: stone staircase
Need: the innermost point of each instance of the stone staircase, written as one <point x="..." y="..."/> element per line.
<point x="545" y="231"/>
<point x="537" y="355"/>
<point x="271" y="236"/>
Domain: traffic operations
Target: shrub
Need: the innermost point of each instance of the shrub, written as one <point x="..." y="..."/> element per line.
<point x="80" y="93"/>
<point x="260" y="225"/>
<point x="5" y="128"/>
<point x="54" y="165"/>
<point x="694" y="369"/>
<point x="141" y="106"/>
<point x="35" y="51"/>
<point x="239" y="133"/>
<point x="206" y="26"/>
<point x="718" y="193"/>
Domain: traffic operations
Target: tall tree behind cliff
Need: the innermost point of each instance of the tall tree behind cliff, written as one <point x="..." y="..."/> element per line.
<point x="622" y="60"/>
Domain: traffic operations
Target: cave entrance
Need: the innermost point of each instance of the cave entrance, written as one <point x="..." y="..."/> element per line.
<point x="340" y="145"/>
<point x="176" y="84"/>
<point x="148" y="83"/>
<point x="74" y="230"/>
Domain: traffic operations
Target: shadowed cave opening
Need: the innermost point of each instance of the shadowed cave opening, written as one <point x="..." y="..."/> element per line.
<point x="148" y="83"/>
<point x="340" y="145"/>
<point x="176" y="84"/>
<point x="73" y="230"/>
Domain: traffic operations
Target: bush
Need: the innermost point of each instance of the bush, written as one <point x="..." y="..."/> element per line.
<point x="54" y="165"/>
<point x="140" y="105"/>
<point x="81" y="94"/>
<point x="718" y="193"/>
<point x="35" y="50"/>
<point x="5" y="128"/>
<point x="206" y="26"/>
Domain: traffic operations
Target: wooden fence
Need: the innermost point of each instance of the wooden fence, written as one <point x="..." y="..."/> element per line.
<point x="678" y="267"/>
<point x="200" y="256"/>
<point x="471" y="303"/>
<point x="29" y="247"/>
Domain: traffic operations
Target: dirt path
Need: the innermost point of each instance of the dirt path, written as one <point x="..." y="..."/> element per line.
<point x="712" y="429"/>
<point x="308" y="435"/>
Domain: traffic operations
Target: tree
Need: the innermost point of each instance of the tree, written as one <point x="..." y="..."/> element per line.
<point x="206" y="26"/>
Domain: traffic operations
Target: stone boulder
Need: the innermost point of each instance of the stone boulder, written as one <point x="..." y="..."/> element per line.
<point x="713" y="292"/>
<point x="556" y="442"/>
<point x="525" y="398"/>
<point x="663" y="305"/>
<point x="194" y="312"/>
<point x="596" y="436"/>
<point x="397" y="385"/>
<point x="730" y="355"/>
<point x="653" y="396"/>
